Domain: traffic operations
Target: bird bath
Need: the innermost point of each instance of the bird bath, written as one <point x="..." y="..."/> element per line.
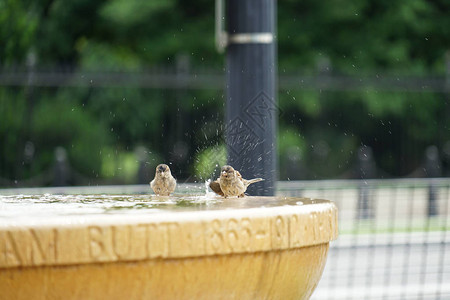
<point x="149" y="247"/>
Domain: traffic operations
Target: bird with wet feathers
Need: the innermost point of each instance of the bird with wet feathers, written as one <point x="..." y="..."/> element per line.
<point x="164" y="183"/>
<point x="230" y="183"/>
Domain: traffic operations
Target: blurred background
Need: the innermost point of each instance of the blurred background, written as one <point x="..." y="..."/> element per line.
<point x="97" y="93"/>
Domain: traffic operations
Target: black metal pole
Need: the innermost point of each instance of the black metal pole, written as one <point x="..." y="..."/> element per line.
<point x="251" y="110"/>
<point x="433" y="169"/>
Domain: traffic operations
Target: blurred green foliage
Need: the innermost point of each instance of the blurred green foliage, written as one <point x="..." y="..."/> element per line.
<point x="57" y="122"/>
<point x="318" y="131"/>
<point x="209" y="161"/>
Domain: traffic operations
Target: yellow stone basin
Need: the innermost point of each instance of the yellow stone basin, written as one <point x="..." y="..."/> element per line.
<point x="148" y="247"/>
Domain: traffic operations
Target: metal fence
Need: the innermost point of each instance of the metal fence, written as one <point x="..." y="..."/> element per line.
<point x="394" y="238"/>
<point x="394" y="234"/>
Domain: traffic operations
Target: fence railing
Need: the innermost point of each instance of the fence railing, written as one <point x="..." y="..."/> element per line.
<point x="181" y="76"/>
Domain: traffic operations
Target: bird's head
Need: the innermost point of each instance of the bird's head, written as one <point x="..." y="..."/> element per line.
<point x="163" y="170"/>
<point x="227" y="172"/>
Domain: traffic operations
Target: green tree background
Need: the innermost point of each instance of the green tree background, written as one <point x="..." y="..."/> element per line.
<point x="320" y="132"/>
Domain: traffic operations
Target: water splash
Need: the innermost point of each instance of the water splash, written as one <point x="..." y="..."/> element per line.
<point x="208" y="192"/>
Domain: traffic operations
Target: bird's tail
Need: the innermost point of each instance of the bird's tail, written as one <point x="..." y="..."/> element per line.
<point x="254" y="180"/>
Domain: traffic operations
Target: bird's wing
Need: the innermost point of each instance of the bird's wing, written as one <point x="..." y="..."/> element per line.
<point x="215" y="187"/>
<point x="238" y="175"/>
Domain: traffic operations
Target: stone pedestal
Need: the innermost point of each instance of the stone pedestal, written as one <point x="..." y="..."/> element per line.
<point x="143" y="247"/>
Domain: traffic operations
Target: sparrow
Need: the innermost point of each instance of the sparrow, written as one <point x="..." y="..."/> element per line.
<point x="230" y="183"/>
<point x="163" y="184"/>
